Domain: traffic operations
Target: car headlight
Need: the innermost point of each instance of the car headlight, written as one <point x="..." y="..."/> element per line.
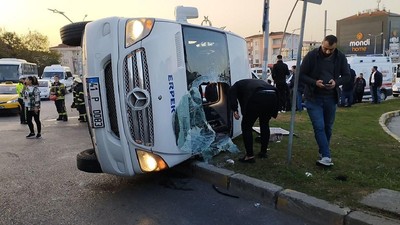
<point x="150" y="162"/>
<point x="137" y="29"/>
<point x="13" y="101"/>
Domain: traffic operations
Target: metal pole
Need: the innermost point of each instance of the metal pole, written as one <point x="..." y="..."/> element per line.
<point x="59" y="12"/>
<point x="375" y="45"/>
<point x="296" y="83"/>
<point x="265" y="26"/>
<point x="326" y="18"/>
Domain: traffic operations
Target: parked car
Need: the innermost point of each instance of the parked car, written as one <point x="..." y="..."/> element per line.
<point x="44" y="87"/>
<point x="9" y="98"/>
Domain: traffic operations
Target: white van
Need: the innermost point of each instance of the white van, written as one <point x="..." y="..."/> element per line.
<point x="364" y="64"/>
<point x="63" y="72"/>
<point x="157" y="91"/>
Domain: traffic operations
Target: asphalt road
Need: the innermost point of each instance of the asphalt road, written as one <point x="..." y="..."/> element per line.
<point x="41" y="185"/>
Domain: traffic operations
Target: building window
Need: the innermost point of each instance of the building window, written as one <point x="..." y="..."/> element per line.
<point x="276" y="41"/>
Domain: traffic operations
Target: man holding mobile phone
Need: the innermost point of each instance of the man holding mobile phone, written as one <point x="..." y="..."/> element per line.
<point x="322" y="71"/>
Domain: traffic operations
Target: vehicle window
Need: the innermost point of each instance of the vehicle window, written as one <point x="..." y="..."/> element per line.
<point x="9" y="72"/>
<point x="8" y="90"/>
<point x="69" y="74"/>
<point x="52" y="74"/>
<point x="206" y="54"/>
<point x="29" y="69"/>
<point x="398" y="71"/>
<point x="43" y="83"/>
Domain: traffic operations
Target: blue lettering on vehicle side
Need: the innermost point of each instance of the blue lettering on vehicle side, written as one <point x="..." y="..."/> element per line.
<point x="171" y="92"/>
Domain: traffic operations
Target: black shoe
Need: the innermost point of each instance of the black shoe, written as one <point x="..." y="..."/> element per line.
<point x="244" y="160"/>
<point x="82" y="121"/>
<point x="262" y="155"/>
<point x="65" y="118"/>
<point x="30" y="135"/>
<point x="23" y="122"/>
<point x="38" y="136"/>
<point x="59" y="118"/>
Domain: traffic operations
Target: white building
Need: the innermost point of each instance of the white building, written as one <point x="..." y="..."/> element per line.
<point x="71" y="57"/>
<point x="255" y="47"/>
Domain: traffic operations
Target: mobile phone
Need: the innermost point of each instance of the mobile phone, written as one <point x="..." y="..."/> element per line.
<point x="327" y="84"/>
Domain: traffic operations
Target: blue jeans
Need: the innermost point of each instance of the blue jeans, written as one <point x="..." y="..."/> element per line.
<point x="346" y="95"/>
<point x="299" y="101"/>
<point x="322" y="111"/>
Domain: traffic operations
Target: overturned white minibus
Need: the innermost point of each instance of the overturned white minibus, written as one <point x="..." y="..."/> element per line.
<point x="157" y="91"/>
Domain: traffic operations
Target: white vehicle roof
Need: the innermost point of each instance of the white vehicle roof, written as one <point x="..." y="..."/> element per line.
<point x="368" y="59"/>
<point x="12" y="61"/>
<point x="56" y="67"/>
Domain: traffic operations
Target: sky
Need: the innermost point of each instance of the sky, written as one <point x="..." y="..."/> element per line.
<point x="241" y="17"/>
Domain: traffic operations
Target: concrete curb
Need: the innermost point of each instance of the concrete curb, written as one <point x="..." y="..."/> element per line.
<point x="302" y="205"/>
<point x="383" y="121"/>
<point x="361" y="218"/>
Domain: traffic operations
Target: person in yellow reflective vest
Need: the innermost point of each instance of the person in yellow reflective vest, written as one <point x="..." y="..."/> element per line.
<point x="79" y="100"/>
<point x="58" y="89"/>
<point x="20" y="88"/>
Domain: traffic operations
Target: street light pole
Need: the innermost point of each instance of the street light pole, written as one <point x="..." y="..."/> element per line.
<point x="62" y="13"/>
<point x="291" y="40"/>
<point x="375" y="36"/>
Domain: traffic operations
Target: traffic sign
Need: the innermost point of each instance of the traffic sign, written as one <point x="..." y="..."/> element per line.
<point x="314" y="1"/>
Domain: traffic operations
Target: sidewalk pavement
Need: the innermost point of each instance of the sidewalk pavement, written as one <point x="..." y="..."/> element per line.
<point x="296" y="203"/>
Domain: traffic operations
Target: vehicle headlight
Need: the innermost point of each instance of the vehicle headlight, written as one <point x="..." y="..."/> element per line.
<point x="137" y="29"/>
<point x="13" y="101"/>
<point x="150" y="162"/>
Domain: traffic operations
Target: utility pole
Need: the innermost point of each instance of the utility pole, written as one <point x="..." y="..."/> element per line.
<point x="265" y="27"/>
<point x="375" y="36"/>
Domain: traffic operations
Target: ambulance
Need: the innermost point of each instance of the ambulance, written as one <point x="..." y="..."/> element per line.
<point x="364" y="64"/>
<point x="147" y="83"/>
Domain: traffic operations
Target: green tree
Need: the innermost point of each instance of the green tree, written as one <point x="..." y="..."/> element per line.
<point x="33" y="47"/>
<point x="35" y="41"/>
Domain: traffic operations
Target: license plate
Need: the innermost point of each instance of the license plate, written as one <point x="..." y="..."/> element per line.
<point x="94" y="100"/>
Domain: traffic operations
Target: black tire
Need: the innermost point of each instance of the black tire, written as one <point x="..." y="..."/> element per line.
<point x="72" y="34"/>
<point x="395" y="95"/>
<point x="87" y="161"/>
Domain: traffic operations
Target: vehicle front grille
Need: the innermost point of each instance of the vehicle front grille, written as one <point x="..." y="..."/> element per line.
<point x="112" y="111"/>
<point x="136" y="75"/>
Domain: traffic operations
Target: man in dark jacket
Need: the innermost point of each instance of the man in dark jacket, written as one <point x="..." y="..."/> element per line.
<point x="375" y="83"/>
<point x="322" y="71"/>
<point x="346" y="98"/>
<point x="279" y="72"/>
<point x="359" y="86"/>
<point x="258" y="100"/>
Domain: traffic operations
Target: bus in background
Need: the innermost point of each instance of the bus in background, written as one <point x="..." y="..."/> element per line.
<point x="156" y="91"/>
<point x="12" y="69"/>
